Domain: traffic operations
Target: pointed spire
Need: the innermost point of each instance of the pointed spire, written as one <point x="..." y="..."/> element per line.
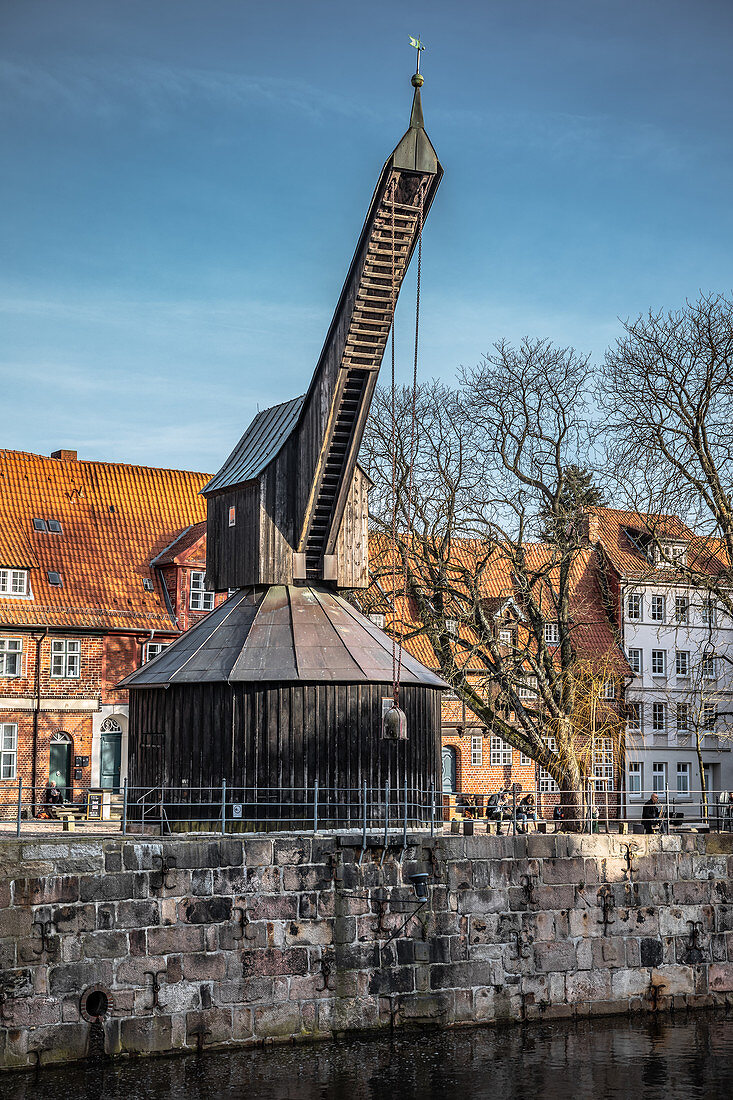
<point x="414" y="152"/>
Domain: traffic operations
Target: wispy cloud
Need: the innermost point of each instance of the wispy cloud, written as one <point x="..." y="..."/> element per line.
<point x="116" y="87"/>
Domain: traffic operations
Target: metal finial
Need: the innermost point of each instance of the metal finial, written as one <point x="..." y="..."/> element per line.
<point x="417" y="80"/>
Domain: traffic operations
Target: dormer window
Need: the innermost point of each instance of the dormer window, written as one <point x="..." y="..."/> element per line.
<point x="378" y="619"/>
<point x="201" y="598"/>
<point x="670" y="554"/>
<point x="451" y="626"/>
<point x="13" y="582"/>
<point x="506" y="636"/>
<point x="641" y="542"/>
<point x="148" y="584"/>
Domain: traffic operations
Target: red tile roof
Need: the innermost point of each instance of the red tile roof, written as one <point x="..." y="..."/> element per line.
<point x="115" y="519"/>
<point x="610" y="527"/>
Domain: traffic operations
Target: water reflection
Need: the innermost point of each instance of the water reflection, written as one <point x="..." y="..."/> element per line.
<point x="646" y="1058"/>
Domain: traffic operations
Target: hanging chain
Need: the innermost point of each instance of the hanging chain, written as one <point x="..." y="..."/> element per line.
<point x="395" y="679"/>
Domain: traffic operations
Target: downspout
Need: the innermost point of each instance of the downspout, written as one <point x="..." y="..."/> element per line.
<point x="38" y="639"/>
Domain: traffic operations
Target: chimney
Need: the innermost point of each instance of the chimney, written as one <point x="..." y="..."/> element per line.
<point x="64" y="456"/>
<point x="590" y="527"/>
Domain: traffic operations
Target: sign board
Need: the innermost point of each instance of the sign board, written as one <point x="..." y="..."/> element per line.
<point x="237" y="810"/>
<point x="94" y="807"/>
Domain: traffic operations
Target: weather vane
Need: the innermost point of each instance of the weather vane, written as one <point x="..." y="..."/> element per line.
<point x="418" y="80"/>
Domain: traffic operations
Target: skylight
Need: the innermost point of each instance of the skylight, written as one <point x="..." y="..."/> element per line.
<point x="39" y="524"/>
<point x="55" y="526"/>
<point x="55" y="579"/>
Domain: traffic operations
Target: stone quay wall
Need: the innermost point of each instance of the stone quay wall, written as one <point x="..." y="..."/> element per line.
<point x="132" y="946"/>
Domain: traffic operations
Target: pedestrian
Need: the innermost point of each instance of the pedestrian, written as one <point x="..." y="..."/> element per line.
<point x="651" y="813"/>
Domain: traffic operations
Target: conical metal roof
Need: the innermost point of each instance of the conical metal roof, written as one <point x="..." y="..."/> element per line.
<point x="281" y="633"/>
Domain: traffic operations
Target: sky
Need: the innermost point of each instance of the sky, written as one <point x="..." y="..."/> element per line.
<point x="184" y="182"/>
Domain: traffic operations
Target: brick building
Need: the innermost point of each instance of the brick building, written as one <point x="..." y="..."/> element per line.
<point x="101" y="564"/>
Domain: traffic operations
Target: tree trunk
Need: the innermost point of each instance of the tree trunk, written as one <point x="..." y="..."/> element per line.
<point x="571" y="798"/>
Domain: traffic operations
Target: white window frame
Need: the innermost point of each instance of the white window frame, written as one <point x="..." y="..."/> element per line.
<point x="13" y="583"/>
<point x="525" y="761"/>
<point x="657" y="608"/>
<point x="551" y="633"/>
<point x="635" y="779"/>
<point x="477" y="751"/>
<point x="609" y="689"/>
<point x="708" y="667"/>
<point x="682" y="609"/>
<point x="659" y="708"/>
<point x="528" y="688"/>
<point x="659" y="776"/>
<point x="501" y="752"/>
<point x="153" y="649"/>
<point x="682" y="724"/>
<point x="377" y="618"/>
<point x="659" y="656"/>
<point x="636" y="661"/>
<point x="451" y="626"/>
<point x="547" y="784"/>
<point x="65" y="659"/>
<point x="634" y="607"/>
<point x="682" y="663"/>
<point x="683" y="769"/>
<point x="709" y="611"/>
<point x="709" y="717"/>
<point x="603" y="764"/>
<point x="506" y="636"/>
<point x="8" y="750"/>
<point x="200" y="598"/>
<point x="11" y="652"/>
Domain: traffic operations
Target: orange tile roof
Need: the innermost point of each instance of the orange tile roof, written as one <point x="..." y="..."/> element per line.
<point x="115" y="519"/>
<point x="609" y="527"/>
<point x="179" y="549"/>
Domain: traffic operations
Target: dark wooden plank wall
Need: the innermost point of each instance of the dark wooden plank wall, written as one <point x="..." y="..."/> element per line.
<point x="282" y="736"/>
<point x="352" y="544"/>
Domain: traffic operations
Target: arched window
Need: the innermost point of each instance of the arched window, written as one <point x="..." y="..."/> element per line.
<point x="110" y="725"/>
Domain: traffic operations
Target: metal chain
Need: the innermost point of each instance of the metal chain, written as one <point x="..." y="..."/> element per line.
<point x="395" y="679"/>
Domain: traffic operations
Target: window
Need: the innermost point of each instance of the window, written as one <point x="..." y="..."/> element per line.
<point x="501" y="753"/>
<point x="506" y="637"/>
<point x="635" y="777"/>
<point x="110" y="725"/>
<point x="39" y="524"/>
<point x="709" y="612"/>
<point x="683" y="779"/>
<point x="65" y="659"/>
<point x="8" y="750"/>
<point x="659" y="717"/>
<point x="547" y="783"/>
<point x="603" y="764"/>
<point x="54" y="579"/>
<point x="525" y="761"/>
<point x="13" y="582"/>
<point x="683" y="717"/>
<point x="681" y="609"/>
<point x="709" y="716"/>
<point x="682" y="662"/>
<point x="11" y="654"/>
<point x="201" y="598"/>
<point x="657" y="609"/>
<point x="634" y="656"/>
<point x="477" y="751"/>
<point x="552" y="633"/>
<point x="232" y="516"/>
<point x="609" y="689"/>
<point x="451" y="626"/>
<point x="633" y="717"/>
<point x="633" y="606"/>
<point x="55" y="527"/>
<point x="378" y="619"/>
<point x="152" y="649"/>
<point x="659" y="776"/>
<point x="707" y="668"/>
<point x="659" y="662"/>
<point x="528" y="688"/>
<point x="148" y="584"/>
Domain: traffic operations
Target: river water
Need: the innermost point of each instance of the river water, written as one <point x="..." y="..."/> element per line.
<point x="646" y="1059"/>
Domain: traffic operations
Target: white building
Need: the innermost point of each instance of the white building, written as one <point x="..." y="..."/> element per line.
<point x="679" y="644"/>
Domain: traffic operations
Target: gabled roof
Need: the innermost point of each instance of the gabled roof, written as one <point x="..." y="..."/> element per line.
<point x="617" y="529"/>
<point x="260" y="443"/>
<point x="115" y="519"/>
<point x="179" y="550"/>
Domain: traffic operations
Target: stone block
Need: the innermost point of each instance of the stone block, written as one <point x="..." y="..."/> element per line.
<point x="292" y="851"/>
<point x="277" y="1021"/>
<point x="308" y="933"/>
<point x="588" y="985"/>
<point x="230" y="881"/>
<point x="204" y="967"/>
<point x="651" y="952"/>
<point x="175" y="940"/>
<point x="554" y="897"/>
<point x="257" y="852"/>
<point x="272" y="907"/>
<point x="609" y="952"/>
<point x="212" y="910"/>
<point x="673" y="921"/>
<point x="202" y="882"/>
<point x="76" y="857"/>
<point x="675" y="979"/>
<point x="544" y="847"/>
<point x="720" y="977"/>
<point x="143" y="913"/>
<point x="105" y="945"/>
<point x="113" y="887"/>
<point x="388" y="981"/>
<point x="555" y="956"/>
<point x="558" y="871"/>
<point x="584" y="922"/>
<point x="719" y="844"/>
<point x="142" y="855"/>
<point x="48" y="890"/>
<point x="75" y="977"/>
<point x="460" y="975"/>
<point x="709" y="866"/>
<point x="134" y="972"/>
<point x="180" y="997"/>
<point x="273" y="961"/>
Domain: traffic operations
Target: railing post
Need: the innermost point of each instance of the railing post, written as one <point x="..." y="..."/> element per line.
<point x="386" y="814"/>
<point x="514" y="809"/>
<point x="223" y="805"/>
<point x="432" y="809"/>
<point x="162" y="808"/>
<point x="364" y="817"/>
<point x="404" y="826"/>
<point x="20" y="803"/>
<point x="666" y="814"/>
<point x="124" y="807"/>
<point x="315" y="806"/>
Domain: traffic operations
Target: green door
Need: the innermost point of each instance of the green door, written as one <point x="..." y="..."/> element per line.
<point x="110" y="762"/>
<point x="59" y="766"/>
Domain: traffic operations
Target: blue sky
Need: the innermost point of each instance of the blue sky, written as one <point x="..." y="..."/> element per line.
<point x="184" y="182"/>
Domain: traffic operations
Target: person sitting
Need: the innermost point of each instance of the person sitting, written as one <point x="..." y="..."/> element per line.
<point x="558" y="815"/>
<point x="53" y="798"/>
<point x="497" y="808"/>
<point x="651" y="814"/>
<point x="526" y="811"/>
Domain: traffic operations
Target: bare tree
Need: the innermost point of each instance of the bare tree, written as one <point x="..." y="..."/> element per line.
<point x="667" y="391"/>
<point x="505" y="611"/>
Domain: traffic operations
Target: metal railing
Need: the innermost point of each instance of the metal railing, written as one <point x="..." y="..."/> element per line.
<point x="386" y="809"/>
